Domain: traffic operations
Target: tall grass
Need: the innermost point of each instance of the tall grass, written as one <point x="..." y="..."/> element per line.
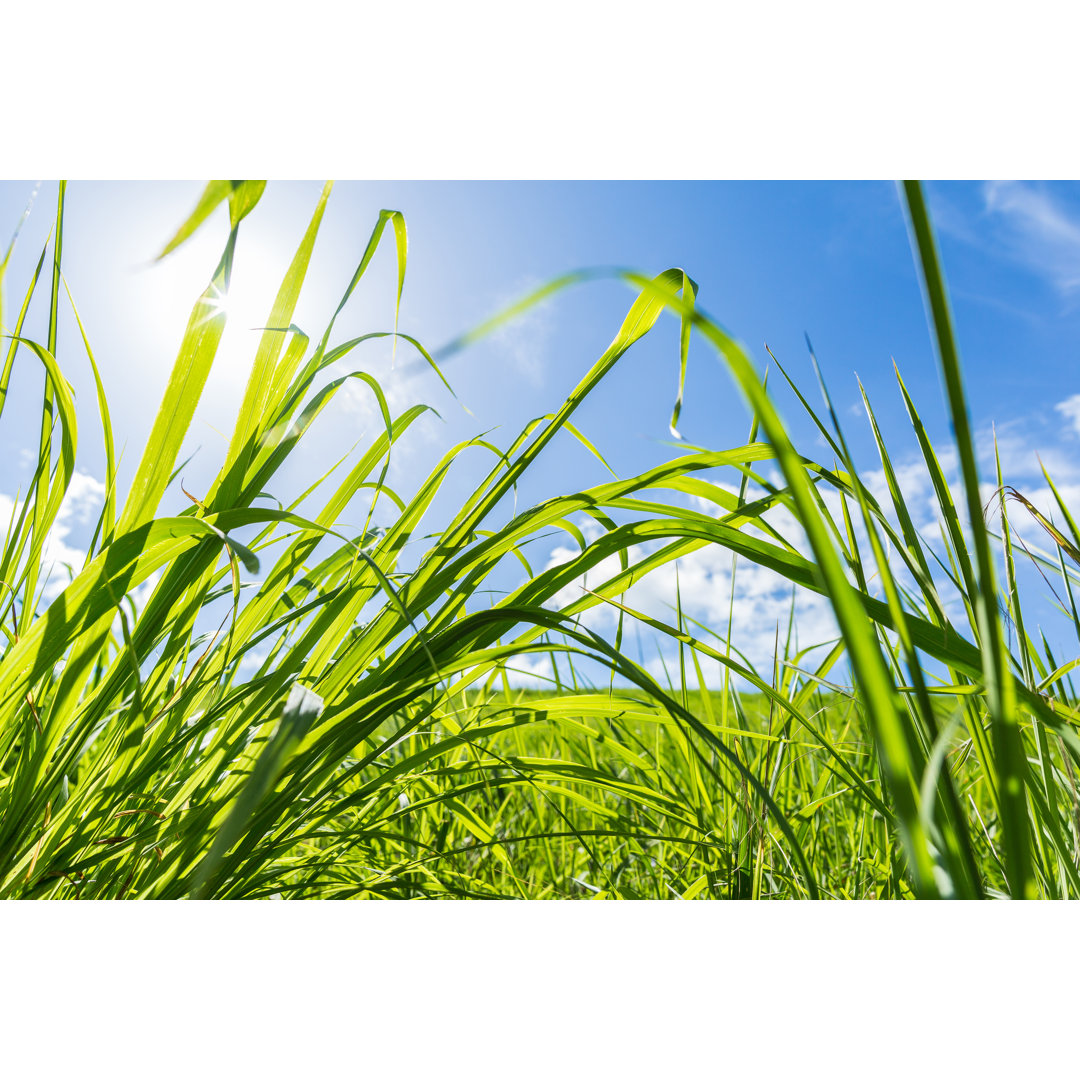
<point x="351" y="727"/>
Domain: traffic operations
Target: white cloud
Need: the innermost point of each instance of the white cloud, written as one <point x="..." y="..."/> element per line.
<point x="83" y="499"/>
<point x="702" y="582"/>
<point x="253" y="659"/>
<point x="763" y="599"/>
<point x="1037" y="231"/>
<point x="78" y="512"/>
<point x="84" y="496"/>
<point x="1070" y="409"/>
<point x="531" y="672"/>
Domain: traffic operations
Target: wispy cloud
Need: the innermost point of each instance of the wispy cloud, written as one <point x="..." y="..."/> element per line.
<point x="1036" y="229"/>
<point x="1016" y="222"/>
<point x="523" y="341"/>
<point x="1070" y="409"/>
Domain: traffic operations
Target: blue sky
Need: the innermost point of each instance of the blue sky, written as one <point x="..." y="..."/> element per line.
<point x="773" y="261"/>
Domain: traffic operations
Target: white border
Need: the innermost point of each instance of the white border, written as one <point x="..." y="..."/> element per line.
<point x="567" y="89"/>
<point x="540" y="989"/>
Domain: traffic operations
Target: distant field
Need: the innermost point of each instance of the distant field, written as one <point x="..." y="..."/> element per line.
<point x="545" y="795"/>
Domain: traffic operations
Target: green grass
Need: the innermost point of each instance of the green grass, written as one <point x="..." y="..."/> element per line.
<point x="379" y="748"/>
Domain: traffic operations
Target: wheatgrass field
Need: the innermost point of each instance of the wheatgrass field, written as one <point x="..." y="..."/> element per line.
<point x="249" y="689"/>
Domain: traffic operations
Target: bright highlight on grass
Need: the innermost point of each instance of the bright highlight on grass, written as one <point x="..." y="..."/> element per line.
<point x="298" y="710"/>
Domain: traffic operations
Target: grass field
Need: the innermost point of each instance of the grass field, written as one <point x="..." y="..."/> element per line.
<point x="297" y="711"/>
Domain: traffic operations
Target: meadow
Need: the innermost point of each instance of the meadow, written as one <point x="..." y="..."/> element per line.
<point x="243" y="700"/>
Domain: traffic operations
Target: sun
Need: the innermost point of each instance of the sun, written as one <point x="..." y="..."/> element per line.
<point x="253" y="286"/>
